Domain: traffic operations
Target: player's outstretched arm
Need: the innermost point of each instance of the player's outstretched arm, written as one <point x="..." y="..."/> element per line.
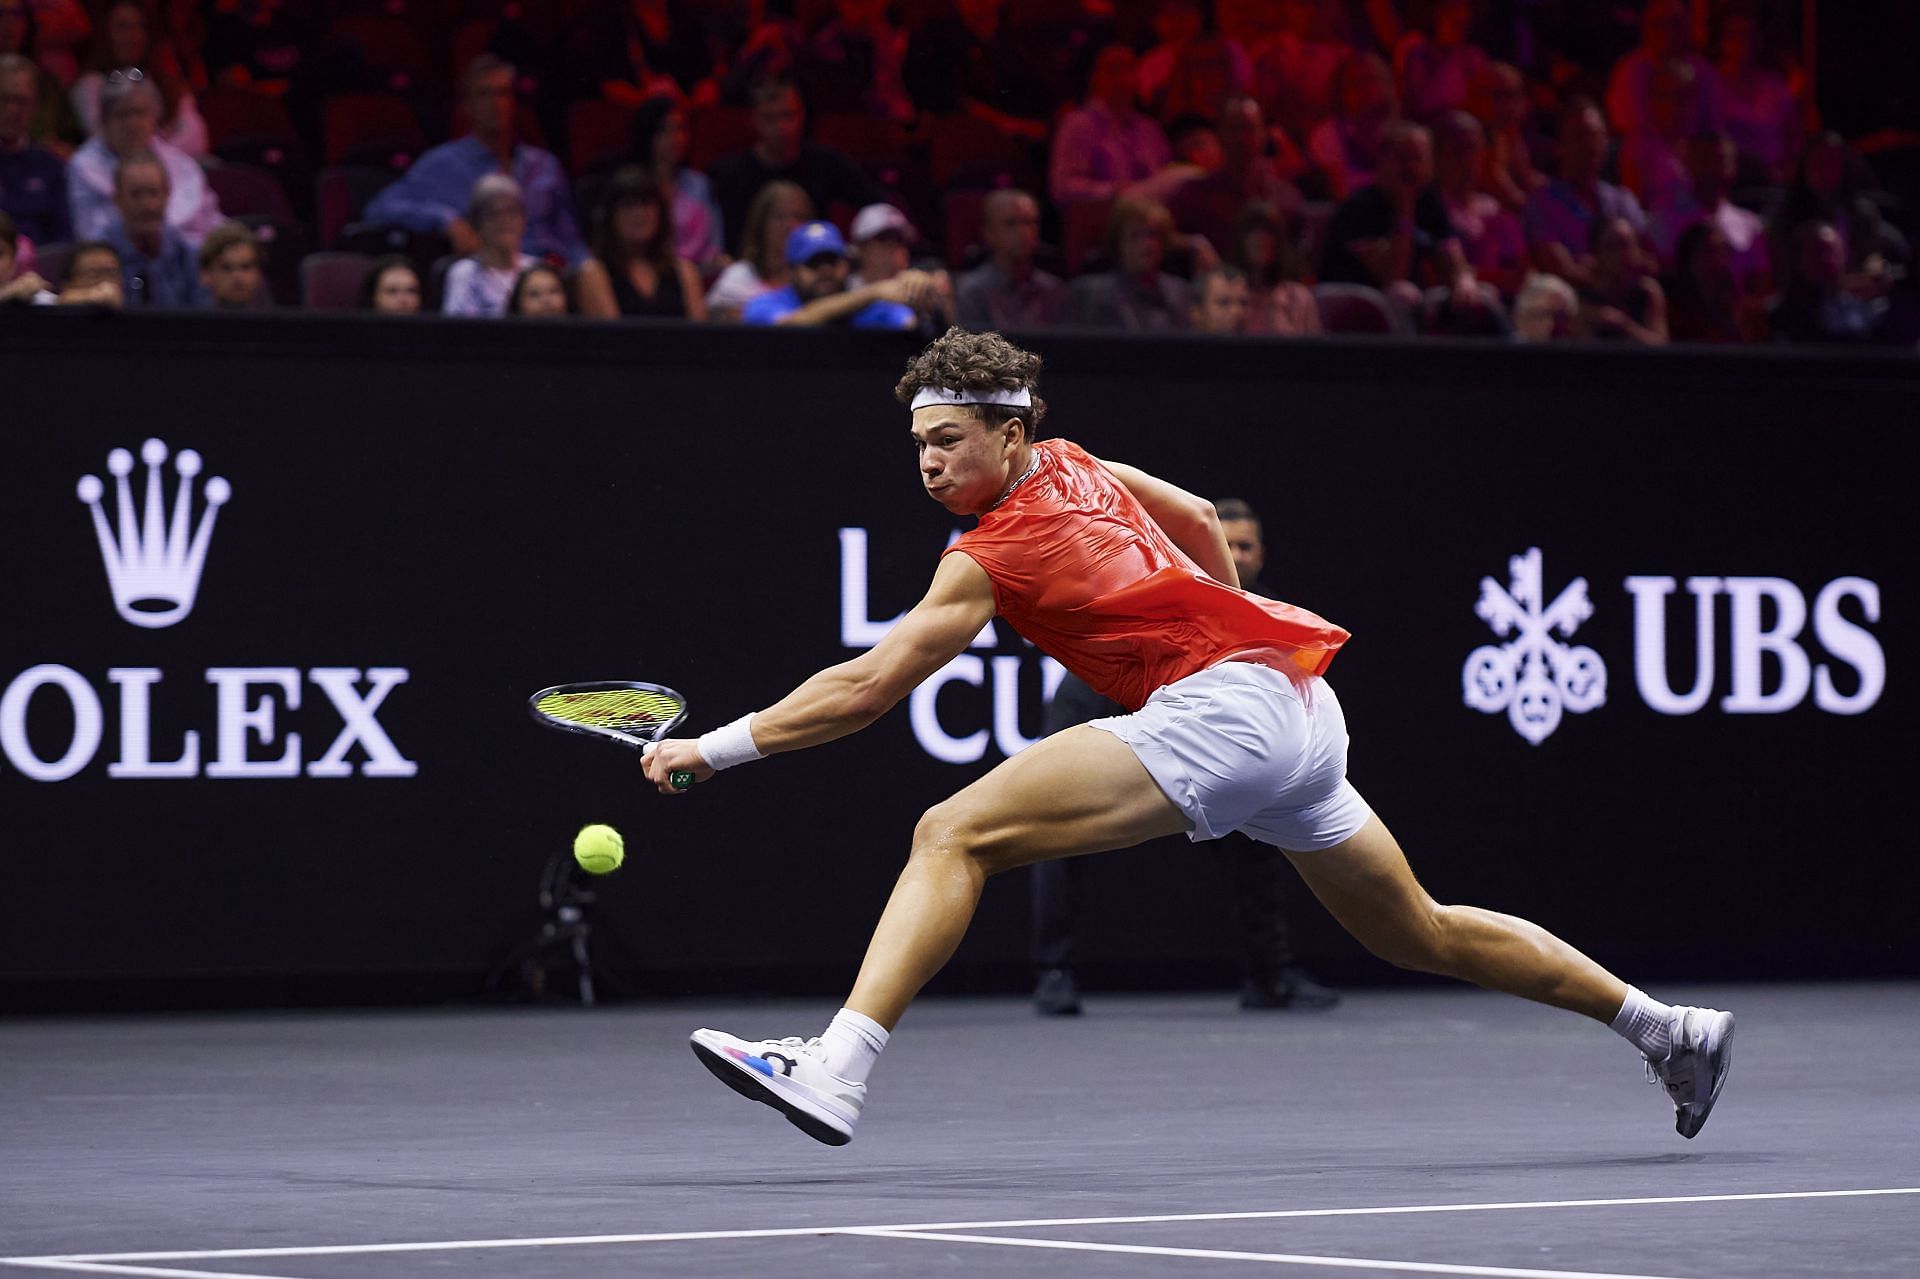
<point x="846" y="698"/>
<point x="1189" y="520"/>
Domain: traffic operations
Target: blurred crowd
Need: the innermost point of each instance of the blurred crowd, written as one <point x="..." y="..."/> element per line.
<point x="1539" y="170"/>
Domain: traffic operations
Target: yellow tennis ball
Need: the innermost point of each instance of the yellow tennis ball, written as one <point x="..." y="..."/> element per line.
<point x="599" y="849"/>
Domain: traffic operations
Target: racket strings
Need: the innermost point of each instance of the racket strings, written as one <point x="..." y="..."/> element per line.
<point x="612" y="708"/>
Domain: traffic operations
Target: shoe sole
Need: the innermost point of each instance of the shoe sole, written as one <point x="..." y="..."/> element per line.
<point x="1689" y="1120"/>
<point x="755" y="1087"/>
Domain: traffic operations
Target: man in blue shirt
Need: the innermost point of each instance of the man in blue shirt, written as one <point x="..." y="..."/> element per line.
<point x="157" y="265"/>
<point x="33" y="182"/>
<point x="819" y="293"/>
<point x="433" y="194"/>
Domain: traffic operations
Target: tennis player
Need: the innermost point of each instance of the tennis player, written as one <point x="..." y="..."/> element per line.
<point x="1127" y="581"/>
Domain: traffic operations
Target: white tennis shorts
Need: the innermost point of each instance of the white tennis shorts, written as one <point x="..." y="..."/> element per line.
<point x="1242" y="747"/>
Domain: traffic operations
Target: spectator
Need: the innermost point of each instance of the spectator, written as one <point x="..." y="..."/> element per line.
<point x="433" y="195"/>
<point x="1816" y="305"/>
<point x="1705" y="304"/>
<point x="158" y="266"/>
<point x="1711" y="160"/>
<point x="1106" y="146"/>
<point x="1663" y="38"/>
<point x="819" y="294"/>
<point x="1437" y="65"/>
<point x="781" y="152"/>
<point x="126" y="42"/>
<point x="776" y="211"/>
<point x="1499" y="100"/>
<point x="1193" y="69"/>
<point x="1650" y="161"/>
<point x="1490" y="236"/>
<point x="17" y="286"/>
<point x="1561" y="215"/>
<point x="1623" y="302"/>
<point x="883" y="242"/>
<point x="231" y="265"/>
<point x="1221" y="301"/>
<point x="1297" y="66"/>
<point x="1762" y="114"/>
<point x="854" y="63"/>
<point x="634" y="270"/>
<point x="129" y="111"/>
<point x="1394" y="234"/>
<point x="1346" y="147"/>
<point x="480" y="283"/>
<point x="1209" y="205"/>
<point x="1136" y="295"/>
<point x="33" y="181"/>
<point x="660" y="146"/>
<point x="1831" y="187"/>
<point x="50" y="118"/>
<point x="1280" y="303"/>
<point x="539" y="292"/>
<point x="1008" y="292"/>
<point x="1545" y="309"/>
<point x="391" y="287"/>
<point x="969" y="63"/>
<point x="94" y="277"/>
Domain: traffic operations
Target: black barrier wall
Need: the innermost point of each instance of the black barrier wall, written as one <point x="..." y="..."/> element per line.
<point x="1633" y="642"/>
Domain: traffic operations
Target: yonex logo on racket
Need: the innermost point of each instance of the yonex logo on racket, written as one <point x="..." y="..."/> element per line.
<point x="1533" y="677"/>
<point x="153" y="564"/>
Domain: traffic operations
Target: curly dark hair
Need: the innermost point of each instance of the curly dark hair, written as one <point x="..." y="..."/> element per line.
<point x="977" y="362"/>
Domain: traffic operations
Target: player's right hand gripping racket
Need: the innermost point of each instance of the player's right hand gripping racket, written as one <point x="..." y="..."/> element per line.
<point x="633" y="714"/>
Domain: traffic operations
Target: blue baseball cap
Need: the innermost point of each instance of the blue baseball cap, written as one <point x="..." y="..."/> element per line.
<point x="811" y="239"/>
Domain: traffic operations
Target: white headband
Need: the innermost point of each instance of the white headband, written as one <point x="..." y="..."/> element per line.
<point x="1021" y="399"/>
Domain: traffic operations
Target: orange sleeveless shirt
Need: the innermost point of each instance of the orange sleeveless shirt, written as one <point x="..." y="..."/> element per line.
<point x="1081" y="569"/>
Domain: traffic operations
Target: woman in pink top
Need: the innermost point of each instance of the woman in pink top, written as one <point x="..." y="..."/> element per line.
<point x="1762" y="114"/>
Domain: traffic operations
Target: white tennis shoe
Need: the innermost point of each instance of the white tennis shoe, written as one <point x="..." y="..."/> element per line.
<point x="1696" y="1065"/>
<point x="790" y="1075"/>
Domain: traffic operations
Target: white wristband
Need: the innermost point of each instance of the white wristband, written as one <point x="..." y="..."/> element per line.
<point x="729" y="744"/>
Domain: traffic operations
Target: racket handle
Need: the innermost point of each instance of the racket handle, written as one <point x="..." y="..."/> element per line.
<point x="681" y="778"/>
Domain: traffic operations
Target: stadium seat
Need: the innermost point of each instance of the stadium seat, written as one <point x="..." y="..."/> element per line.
<point x="234" y="114"/>
<point x="246" y="192"/>
<point x="388" y="46"/>
<point x="339" y="196"/>
<point x="1357" y="309"/>
<point x="964" y="151"/>
<point x="1083" y="227"/>
<point x="52" y="261"/>
<point x="371" y="128"/>
<point x="433" y="294"/>
<point x="876" y="144"/>
<point x="597" y="134"/>
<point x="962" y="220"/>
<point x="331" y="281"/>
<point x="716" y="131"/>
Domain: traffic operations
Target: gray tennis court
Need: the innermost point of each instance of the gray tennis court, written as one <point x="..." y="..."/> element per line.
<point x="1422" y="1132"/>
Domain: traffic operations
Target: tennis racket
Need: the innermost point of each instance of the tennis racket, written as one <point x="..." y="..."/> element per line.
<point x="633" y="714"/>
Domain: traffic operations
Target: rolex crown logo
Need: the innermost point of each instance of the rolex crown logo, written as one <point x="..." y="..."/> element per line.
<point x="154" y="565"/>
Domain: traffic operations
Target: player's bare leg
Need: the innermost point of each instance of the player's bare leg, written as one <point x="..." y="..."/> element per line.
<point x="1366" y="884"/>
<point x="1079" y="791"/>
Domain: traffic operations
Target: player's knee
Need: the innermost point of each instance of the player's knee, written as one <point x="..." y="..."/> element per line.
<point x="1416" y="942"/>
<point x="943" y="831"/>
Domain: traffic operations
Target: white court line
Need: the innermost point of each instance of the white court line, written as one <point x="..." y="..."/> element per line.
<point x="1273" y="1258"/>
<point x="557" y="1241"/>
<point x="151" y="1272"/>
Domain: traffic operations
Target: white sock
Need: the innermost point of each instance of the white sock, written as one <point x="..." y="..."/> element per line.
<point x="1642" y="1022"/>
<point x="853" y="1042"/>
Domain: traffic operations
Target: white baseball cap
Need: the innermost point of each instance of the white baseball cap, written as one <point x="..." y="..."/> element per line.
<point x="878" y="219"/>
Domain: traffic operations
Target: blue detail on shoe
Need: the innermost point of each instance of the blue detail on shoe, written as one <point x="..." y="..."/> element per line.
<point x="760" y="1064"/>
